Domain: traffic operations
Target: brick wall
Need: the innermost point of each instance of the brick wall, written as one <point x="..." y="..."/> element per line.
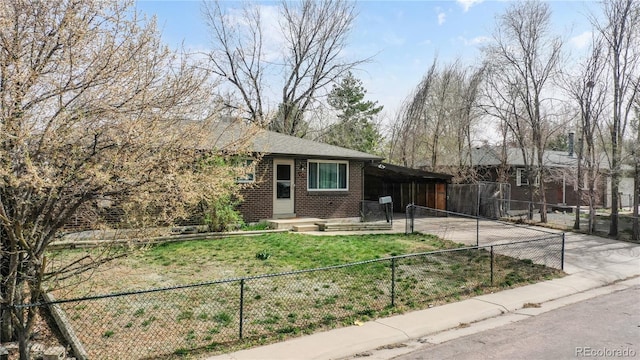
<point x="329" y="204"/>
<point x="553" y="192"/>
<point x="258" y="197"/>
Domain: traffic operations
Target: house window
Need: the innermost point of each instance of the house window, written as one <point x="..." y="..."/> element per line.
<point x="246" y="171"/>
<point x="522" y="179"/>
<point x="328" y="175"/>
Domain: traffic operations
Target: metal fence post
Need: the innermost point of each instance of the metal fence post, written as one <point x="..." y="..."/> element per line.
<point x="241" y="306"/>
<point x="478" y="200"/>
<point x="393" y="282"/>
<point x="410" y="216"/>
<point x="413" y="217"/>
<point x="491" y="265"/>
<point x="562" y="254"/>
<point x="478" y="231"/>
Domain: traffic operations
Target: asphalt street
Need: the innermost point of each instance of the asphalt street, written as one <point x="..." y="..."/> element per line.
<point x="604" y="327"/>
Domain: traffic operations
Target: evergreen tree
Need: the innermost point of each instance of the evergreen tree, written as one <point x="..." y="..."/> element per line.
<point x="355" y="128"/>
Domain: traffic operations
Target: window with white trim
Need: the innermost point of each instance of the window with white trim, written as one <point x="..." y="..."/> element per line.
<point x="326" y="175"/>
<point x="246" y="169"/>
<point x="522" y="178"/>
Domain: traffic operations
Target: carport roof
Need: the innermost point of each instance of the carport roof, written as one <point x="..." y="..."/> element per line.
<point x="403" y="174"/>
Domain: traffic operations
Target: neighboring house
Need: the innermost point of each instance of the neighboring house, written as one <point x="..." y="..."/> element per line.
<point x="625" y="188"/>
<point x="297" y="177"/>
<point x="560" y="182"/>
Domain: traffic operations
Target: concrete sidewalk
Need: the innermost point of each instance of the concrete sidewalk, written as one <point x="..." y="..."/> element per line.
<point x="594" y="265"/>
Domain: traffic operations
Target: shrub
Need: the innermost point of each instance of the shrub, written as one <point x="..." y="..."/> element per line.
<point x="221" y="215"/>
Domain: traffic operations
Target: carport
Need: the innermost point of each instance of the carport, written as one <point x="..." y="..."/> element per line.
<point x="405" y="186"/>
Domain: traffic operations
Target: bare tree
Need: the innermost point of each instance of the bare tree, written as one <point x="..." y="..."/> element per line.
<point x="238" y="57"/>
<point x="620" y="30"/>
<point x="437" y="121"/>
<point x="526" y="59"/>
<point x="499" y="104"/>
<point x="469" y="114"/>
<point x="313" y="34"/>
<point x="408" y="132"/>
<point x="636" y="164"/>
<point x="588" y="91"/>
<point x="93" y="108"/>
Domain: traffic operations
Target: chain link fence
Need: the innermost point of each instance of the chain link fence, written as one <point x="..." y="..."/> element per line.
<point x="565" y="217"/>
<point x="484" y="199"/>
<point x="375" y="211"/>
<point x="161" y="323"/>
<point x="469" y="229"/>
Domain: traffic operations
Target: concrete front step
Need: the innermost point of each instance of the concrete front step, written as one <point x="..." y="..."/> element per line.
<point x="291" y="223"/>
<point x="315" y="224"/>
<point x="302" y="228"/>
<point x="353" y="226"/>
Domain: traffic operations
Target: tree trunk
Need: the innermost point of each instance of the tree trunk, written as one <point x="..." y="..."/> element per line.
<point x="9" y="290"/>
<point x="23" y="343"/>
<point x="531" y="185"/>
<point x="576" y="223"/>
<point x="615" y="186"/>
<point x="636" y="200"/>
<point x="543" y="198"/>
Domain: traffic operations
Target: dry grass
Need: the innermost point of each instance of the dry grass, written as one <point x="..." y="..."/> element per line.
<point x="205" y="318"/>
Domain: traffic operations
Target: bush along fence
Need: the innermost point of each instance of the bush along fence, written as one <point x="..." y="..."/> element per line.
<point x="469" y="229"/>
<point x="211" y="316"/>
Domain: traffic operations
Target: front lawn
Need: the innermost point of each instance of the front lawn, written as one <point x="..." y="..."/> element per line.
<point x="196" y="261"/>
<point x="179" y="321"/>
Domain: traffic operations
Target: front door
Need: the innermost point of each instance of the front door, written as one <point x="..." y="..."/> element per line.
<point x="283" y="191"/>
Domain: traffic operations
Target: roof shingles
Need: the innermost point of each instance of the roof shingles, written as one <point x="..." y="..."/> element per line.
<point x="269" y="142"/>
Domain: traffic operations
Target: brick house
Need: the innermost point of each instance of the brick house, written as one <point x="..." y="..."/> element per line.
<point x="560" y="183"/>
<point x="298" y="177"/>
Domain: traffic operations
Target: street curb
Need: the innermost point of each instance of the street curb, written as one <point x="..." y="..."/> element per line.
<point x="388" y="352"/>
<point x="464" y="317"/>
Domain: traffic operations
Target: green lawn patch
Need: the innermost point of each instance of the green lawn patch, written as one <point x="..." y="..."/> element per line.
<point x="274" y="307"/>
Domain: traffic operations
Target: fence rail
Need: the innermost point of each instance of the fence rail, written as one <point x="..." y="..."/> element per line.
<point x="469" y="229"/>
<point x="158" y="323"/>
<point x="565" y="216"/>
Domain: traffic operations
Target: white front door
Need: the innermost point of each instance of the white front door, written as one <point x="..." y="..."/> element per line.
<point x="283" y="189"/>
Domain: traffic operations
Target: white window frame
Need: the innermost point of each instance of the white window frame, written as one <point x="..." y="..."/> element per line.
<point x="520" y="181"/>
<point x="250" y="176"/>
<point x="337" y="162"/>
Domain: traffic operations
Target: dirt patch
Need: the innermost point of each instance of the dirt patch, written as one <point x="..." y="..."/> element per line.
<point x="45" y="335"/>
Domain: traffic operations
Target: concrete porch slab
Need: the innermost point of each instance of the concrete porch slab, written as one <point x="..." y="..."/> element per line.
<point x="290" y="223"/>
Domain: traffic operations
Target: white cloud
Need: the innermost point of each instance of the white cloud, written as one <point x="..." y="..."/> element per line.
<point x="581" y="41"/>
<point x="467" y="4"/>
<point x="442" y="17"/>
<point x="273" y="41"/>
<point x="478" y="40"/>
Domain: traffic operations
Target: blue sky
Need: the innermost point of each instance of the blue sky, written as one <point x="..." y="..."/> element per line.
<point x="403" y="37"/>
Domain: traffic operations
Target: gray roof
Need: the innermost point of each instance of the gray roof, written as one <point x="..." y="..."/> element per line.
<point x="490" y="156"/>
<point x="230" y="135"/>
